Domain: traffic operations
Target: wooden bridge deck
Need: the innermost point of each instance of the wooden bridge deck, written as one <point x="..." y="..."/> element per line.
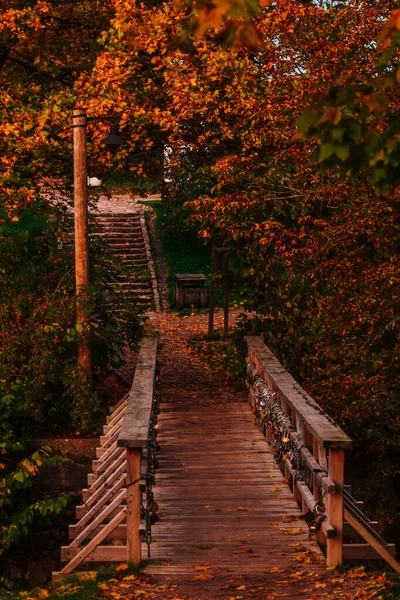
<point x="222" y="502"/>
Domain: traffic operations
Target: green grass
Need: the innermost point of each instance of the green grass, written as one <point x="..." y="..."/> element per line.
<point x="183" y="252"/>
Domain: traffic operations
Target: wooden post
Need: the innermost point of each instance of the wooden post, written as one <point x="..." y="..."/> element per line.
<point x="334" y="546"/>
<point x="212" y="292"/>
<point x="81" y="236"/>
<point x="133" y="500"/>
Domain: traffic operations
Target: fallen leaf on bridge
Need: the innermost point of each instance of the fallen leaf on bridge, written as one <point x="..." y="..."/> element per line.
<point x="204" y="576"/>
<point x="291" y="531"/>
<point x="202" y="568"/>
<point x="209" y="507"/>
<point x="276" y="570"/>
<point x="308" y="557"/>
<point x="242" y="508"/>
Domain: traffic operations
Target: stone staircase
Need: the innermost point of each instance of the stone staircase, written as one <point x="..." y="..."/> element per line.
<point x="126" y="235"/>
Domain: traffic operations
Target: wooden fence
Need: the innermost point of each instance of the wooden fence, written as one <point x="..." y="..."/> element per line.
<point x="118" y="506"/>
<point x="310" y="449"/>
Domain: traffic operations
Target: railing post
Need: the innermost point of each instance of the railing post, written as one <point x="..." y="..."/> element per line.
<point x="334" y="546"/>
<point x="133" y="501"/>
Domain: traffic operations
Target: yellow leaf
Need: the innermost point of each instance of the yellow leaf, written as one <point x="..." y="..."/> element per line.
<point x="204" y="576"/>
<point x="122" y="567"/>
<point x="291" y="531"/>
<point x="129" y="578"/>
<point x="242" y="508"/>
<point x="276" y="570"/>
<point x="209" y="507"/>
<point x="320" y="585"/>
<point x="241" y="587"/>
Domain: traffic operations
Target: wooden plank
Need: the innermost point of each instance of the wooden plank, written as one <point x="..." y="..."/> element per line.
<point x="99" y="519"/>
<point x="98" y="554"/>
<point x="119" y="533"/>
<point x="366" y="552"/>
<point x="379" y="549"/>
<point x="99" y="466"/>
<point x="349" y="532"/>
<point x="103" y="489"/>
<point x="103" y="477"/>
<point x="84" y="552"/>
<point x="91" y="512"/>
<point x="135" y="425"/>
<point x="110" y="420"/>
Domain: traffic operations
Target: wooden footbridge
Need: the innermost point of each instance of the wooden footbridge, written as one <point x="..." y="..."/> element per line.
<point x="196" y="481"/>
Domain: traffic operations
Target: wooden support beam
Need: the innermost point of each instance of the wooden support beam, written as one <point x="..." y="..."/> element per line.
<point x="366" y="552"/>
<point x="82" y="554"/>
<point x="119" y="533"/>
<point x="105" y="497"/>
<point x="100" y="554"/>
<point x="99" y="519"/>
<point x="133" y="498"/>
<point x="335" y="508"/>
<point x="381" y="550"/>
<point x="117" y="412"/>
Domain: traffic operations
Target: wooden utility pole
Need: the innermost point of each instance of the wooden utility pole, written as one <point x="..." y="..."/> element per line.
<point x="81" y="238"/>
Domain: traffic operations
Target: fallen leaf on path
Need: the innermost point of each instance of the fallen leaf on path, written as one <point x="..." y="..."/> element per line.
<point x="298" y="574"/>
<point x="87" y="575"/>
<point x="308" y="557"/>
<point x="242" y="508"/>
<point x="291" y="531"/>
<point x="288" y="518"/>
<point x="319" y="584"/>
<point x="356" y="573"/>
<point x="202" y="568"/>
<point x="296" y="545"/>
<point x="241" y="588"/>
<point x="209" y="507"/>
<point x="204" y="576"/>
<point x="276" y="570"/>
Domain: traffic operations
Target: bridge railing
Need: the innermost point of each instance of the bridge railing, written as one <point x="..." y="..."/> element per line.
<point x="138" y="435"/>
<point x="307" y="444"/>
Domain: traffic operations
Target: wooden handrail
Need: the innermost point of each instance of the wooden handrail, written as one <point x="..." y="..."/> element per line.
<point x="320" y="440"/>
<point x="134" y="436"/>
<point x="319" y="423"/>
<point x="135" y="425"/>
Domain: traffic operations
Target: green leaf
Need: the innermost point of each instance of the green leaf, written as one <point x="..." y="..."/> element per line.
<point x="307" y="120"/>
